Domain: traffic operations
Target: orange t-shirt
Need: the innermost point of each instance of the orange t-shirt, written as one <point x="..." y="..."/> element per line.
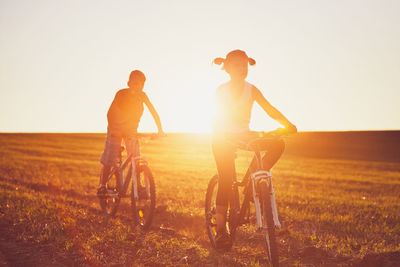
<point x="125" y="112"/>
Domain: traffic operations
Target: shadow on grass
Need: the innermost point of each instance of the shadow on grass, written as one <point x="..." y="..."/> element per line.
<point x="292" y="250"/>
<point x="51" y="189"/>
<point x="167" y="225"/>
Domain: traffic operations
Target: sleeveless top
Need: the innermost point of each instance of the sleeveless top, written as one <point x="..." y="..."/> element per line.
<point x="233" y="113"/>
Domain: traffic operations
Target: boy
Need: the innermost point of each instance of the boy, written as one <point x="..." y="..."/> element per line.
<point x="123" y="118"/>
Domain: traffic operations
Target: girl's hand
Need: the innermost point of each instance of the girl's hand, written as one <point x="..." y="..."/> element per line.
<point x="161" y="133"/>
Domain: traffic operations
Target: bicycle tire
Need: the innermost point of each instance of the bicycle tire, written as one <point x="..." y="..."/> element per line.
<point x="110" y="202"/>
<point x="266" y="213"/>
<point x="210" y="210"/>
<point x="143" y="216"/>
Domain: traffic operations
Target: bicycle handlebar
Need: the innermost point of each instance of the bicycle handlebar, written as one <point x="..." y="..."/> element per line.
<point x="256" y="134"/>
<point x="252" y="137"/>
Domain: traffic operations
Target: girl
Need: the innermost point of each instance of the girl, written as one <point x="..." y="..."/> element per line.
<point x="234" y="104"/>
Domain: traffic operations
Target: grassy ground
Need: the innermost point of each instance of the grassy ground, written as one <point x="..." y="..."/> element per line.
<point x="335" y="210"/>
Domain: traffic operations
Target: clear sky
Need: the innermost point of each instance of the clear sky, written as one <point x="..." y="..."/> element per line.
<point x="327" y="65"/>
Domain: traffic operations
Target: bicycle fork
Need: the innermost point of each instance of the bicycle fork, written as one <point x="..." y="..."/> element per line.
<point x="136" y="176"/>
<point x="256" y="177"/>
<point x="134" y="179"/>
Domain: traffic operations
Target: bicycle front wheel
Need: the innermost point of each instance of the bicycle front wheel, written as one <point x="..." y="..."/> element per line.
<point x="268" y="223"/>
<point x="109" y="202"/>
<point x="211" y="212"/>
<point x="144" y="204"/>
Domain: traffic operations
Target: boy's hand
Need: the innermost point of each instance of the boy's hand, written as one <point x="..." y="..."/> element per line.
<point x="161" y="133"/>
<point x="279" y="131"/>
<point x="291" y="128"/>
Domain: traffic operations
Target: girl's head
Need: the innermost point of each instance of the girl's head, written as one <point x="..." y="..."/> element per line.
<point x="136" y="80"/>
<point x="236" y="64"/>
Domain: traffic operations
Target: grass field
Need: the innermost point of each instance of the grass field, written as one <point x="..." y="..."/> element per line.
<point x="338" y="198"/>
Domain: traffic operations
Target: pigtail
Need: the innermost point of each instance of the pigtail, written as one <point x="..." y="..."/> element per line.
<point x="219" y="60"/>
<point x="230" y="55"/>
<point x="252" y="61"/>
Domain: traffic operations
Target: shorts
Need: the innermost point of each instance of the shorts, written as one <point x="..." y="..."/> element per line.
<point x="112" y="148"/>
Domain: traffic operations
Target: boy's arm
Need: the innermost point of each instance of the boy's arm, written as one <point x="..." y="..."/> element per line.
<point x="272" y="111"/>
<point x="154" y="113"/>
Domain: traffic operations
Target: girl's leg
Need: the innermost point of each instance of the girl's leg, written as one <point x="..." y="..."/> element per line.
<point x="274" y="150"/>
<point x="224" y="158"/>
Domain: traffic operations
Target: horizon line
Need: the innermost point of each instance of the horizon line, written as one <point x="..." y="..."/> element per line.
<point x="201" y="133"/>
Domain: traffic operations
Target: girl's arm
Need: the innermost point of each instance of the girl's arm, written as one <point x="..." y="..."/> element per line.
<point x="272" y="111"/>
<point x="154" y="113"/>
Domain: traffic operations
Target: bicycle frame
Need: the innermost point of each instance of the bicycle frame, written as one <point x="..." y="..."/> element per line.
<point x="122" y="183"/>
<point x="249" y="181"/>
<point x="257" y="187"/>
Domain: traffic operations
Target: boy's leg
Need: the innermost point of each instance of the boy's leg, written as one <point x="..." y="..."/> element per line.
<point x="105" y="172"/>
<point x="109" y="157"/>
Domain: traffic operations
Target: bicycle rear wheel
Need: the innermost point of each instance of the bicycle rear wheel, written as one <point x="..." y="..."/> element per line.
<point x="143" y="207"/>
<point x="211" y="210"/>
<point x="109" y="203"/>
<point x="268" y="223"/>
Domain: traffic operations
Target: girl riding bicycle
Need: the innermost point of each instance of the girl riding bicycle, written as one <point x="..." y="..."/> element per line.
<point x="235" y="99"/>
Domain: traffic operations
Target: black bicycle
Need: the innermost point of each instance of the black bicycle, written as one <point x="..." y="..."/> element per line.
<point x="143" y="189"/>
<point x="258" y="188"/>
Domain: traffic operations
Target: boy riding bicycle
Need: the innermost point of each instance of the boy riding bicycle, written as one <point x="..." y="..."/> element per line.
<point x="123" y="118"/>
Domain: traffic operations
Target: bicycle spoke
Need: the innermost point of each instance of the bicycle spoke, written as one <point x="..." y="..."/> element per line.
<point x="144" y="204"/>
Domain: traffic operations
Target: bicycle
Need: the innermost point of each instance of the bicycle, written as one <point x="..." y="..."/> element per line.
<point x="142" y="193"/>
<point x="258" y="186"/>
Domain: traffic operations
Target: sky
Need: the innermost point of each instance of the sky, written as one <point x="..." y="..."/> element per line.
<point x="326" y="65"/>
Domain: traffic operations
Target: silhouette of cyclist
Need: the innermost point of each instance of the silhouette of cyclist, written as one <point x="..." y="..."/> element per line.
<point x="123" y="118"/>
<point x="235" y="100"/>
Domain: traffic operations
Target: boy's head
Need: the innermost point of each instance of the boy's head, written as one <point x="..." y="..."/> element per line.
<point x="136" y="80"/>
<point x="236" y="63"/>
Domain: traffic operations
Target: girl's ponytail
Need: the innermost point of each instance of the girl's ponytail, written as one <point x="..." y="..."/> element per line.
<point x="219" y="60"/>
<point x="232" y="54"/>
<point x="252" y="61"/>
